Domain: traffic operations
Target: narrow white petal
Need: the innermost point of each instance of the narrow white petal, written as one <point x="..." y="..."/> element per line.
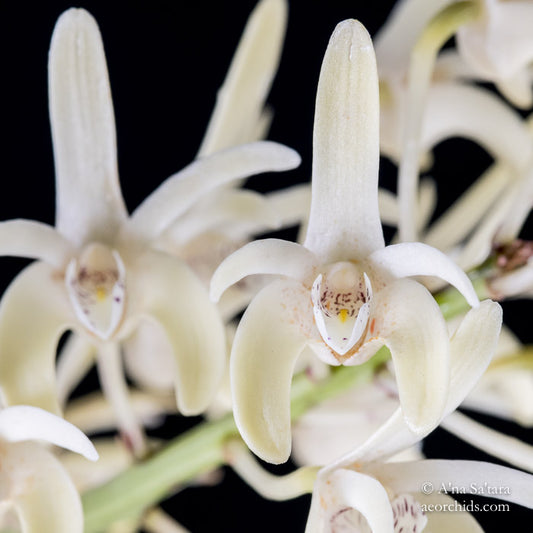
<point x="37" y="301"/>
<point x="461" y="218"/>
<point x="115" y="388"/>
<point x="180" y="191"/>
<point x="44" y="496"/>
<point x="291" y="204"/>
<point x="479" y="245"/>
<point x="270" y="486"/>
<point x="270" y="337"/>
<point x="165" y="290"/>
<point x="89" y="200"/>
<point x="241" y="98"/>
<point x="269" y="256"/>
<point x="339" y="494"/>
<point x="93" y="414"/>
<point x="240" y="210"/>
<point x="455" y="109"/>
<point x="410" y="476"/>
<point x="504" y="447"/>
<point x="23" y="422"/>
<point x="344" y="220"/>
<point x="417" y="259"/>
<point x="410" y="323"/>
<point x="27" y="238"/>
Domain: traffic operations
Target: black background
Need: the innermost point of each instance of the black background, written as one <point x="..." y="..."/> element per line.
<point x="166" y="60"/>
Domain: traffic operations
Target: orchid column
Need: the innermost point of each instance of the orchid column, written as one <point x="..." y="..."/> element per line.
<point x="343" y="293"/>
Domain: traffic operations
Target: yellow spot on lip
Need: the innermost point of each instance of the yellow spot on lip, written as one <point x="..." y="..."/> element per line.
<point x="101" y="294"/>
<point x="343" y="315"/>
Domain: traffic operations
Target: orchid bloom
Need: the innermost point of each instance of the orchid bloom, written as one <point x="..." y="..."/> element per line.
<point x="34" y="483"/>
<point x="99" y="273"/>
<point x="348" y="295"/>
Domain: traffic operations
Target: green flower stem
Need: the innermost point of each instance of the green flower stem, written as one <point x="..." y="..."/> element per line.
<point x="452" y="303"/>
<point x="201" y="449"/>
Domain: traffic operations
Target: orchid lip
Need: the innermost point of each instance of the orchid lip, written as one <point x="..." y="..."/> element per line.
<point x="96" y="287"/>
<point x="341" y="306"/>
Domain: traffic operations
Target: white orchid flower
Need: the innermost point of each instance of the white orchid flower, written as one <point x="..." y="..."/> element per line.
<point x="34" y="483"/>
<point x="348" y="295"/>
<point x="98" y="272"/>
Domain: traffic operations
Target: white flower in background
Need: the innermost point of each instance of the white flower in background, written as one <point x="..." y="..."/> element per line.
<point x="34" y="484"/>
<point x="99" y="273"/>
<point x="349" y="294"/>
<point x="496" y="46"/>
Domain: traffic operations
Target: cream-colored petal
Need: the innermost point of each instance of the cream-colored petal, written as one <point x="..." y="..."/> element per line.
<point x="93" y="414"/>
<point x="409" y="321"/>
<point x="115" y="389"/>
<point x="23" y="422"/>
<point x="43" y="494"/>
<point x="233" y="211"/>
<point x="180" y="191"/>
<point x="164" y="289"/>
<point x="269" y="256"/>
<point x="270" y="337"/>
<point x="417" y="259"/>
<point x="241" y="98"/>
<point x="291" y="204"/>
<point x="340" y="496"/>
<point x="27" y="238"/>
<point x="36" y="302"/>
<point x="344" y="219"/>
<point x="270" y="486"/>
<point x="504" y="447"/>
<point x="89" y="200"/>
<point x="455" y="109"/>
